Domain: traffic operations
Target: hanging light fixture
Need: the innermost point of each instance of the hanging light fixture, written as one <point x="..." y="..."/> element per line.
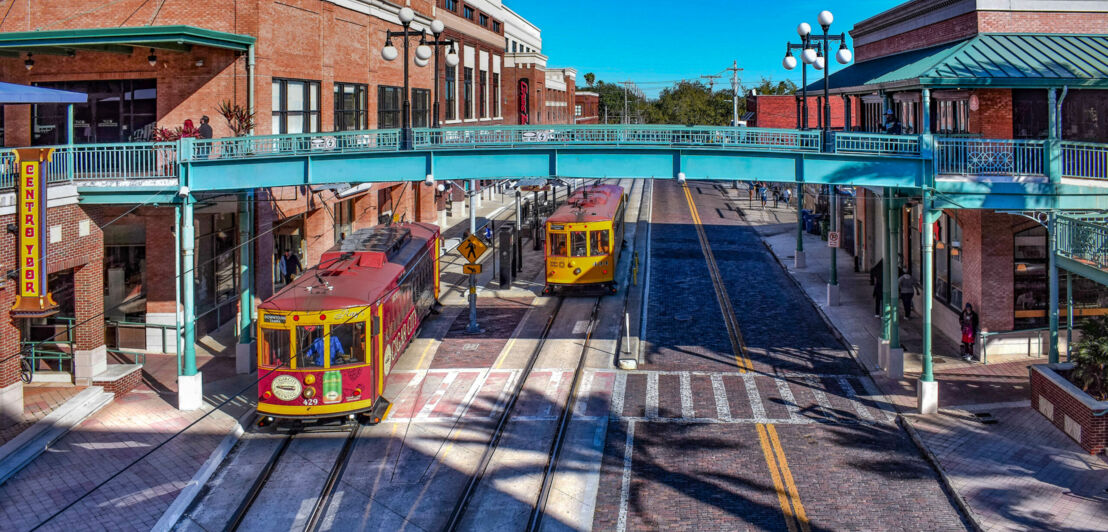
<point x="152" y="59"/>
<point x="29" y="63"/>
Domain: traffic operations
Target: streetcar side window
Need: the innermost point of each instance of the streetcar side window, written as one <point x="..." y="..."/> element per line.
<point x="577" y="244"/>
<point x="558" y="244"/>
<point x="599" y="242"/>
<point x="275" y="348"/>
<point x="348" y="343"/>
<point x="309" y="348"/>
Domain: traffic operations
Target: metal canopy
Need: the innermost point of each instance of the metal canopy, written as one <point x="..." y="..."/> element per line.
<point x="10" y="93"/>
<point x="998" y="60"/>
<point x="120" y="40"/>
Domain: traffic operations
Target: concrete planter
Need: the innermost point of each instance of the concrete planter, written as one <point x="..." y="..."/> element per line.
<point x="1070" y="409"/>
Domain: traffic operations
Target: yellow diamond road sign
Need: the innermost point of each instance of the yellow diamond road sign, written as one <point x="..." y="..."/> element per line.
<point x="472" y="248"/>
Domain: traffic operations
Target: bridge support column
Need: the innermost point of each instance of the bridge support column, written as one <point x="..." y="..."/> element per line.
<point x="1069" y="314"/>
<point x="895" y="367"/>
<point x="886" y="283"/>
<point x="190" y="392"/>
<point x="833" y="282"/>
<point x="244" y="353"/>
<point x="799" y="261"/>
<point x="1053" y="286"/>
<point x="927" y="390"/>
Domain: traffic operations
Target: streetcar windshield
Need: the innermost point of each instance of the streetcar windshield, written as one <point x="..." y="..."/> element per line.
<point x="599" y="242"/>
<point x="558" y="244"/>
<point x="577" y="244"/>
<point x="275" y="347"/>
<point x="309" y="346"/>
<point x="348" y="343"/>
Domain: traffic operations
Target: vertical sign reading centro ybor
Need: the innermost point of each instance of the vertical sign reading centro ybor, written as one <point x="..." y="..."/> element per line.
<point x="33" y="298"/>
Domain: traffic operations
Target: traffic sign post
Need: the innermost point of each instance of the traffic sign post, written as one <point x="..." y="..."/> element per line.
<point x="471" y="269"/>
<point x="471" y="249"/>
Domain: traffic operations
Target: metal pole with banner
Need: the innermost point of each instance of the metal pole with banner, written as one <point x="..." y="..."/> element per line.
<point x="33" y="299"/>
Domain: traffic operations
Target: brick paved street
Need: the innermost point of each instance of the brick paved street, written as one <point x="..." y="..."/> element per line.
<point x="695" y="443"/>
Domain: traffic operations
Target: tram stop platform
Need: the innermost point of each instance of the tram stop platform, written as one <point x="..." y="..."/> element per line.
<point x="1010" y="468"/>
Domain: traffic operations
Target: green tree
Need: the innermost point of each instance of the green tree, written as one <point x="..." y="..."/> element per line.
<point x="768" y="86"/>
<point x="693" y="103"/>
<point x="612" y="96"/>
<point x="590" y="78"/>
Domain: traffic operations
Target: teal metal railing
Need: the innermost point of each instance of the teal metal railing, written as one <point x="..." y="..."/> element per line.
<point x="1036" y="349"/>
<point x="1084" y="159"/>
<point x="988" y="157"/>
<point x="877" y="144"/>
<point x="138" y="160"/>
<point x="1082" y="241"/>
<point x="337" y="142"/>
<point x="8" y="171"/>
<point x="56" y="350"/>
<point x="616" y="135"/>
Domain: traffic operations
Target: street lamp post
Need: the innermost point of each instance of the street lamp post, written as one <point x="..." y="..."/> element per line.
<point x="804" y="31"/>
<point x="423" y="53"/>
<point x="437" y="28"/>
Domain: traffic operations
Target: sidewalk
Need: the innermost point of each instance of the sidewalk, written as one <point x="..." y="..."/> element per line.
<point x="1012" y="469"/>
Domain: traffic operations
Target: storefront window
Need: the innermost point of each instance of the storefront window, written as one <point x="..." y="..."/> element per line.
<point x="348" y="342"/>
<point x="124" y="272"/>
<point x="117" y="111"/>
<point x="1030" y="277"/>
<point x="948" y="262"/>
<point x="275" y="347"/>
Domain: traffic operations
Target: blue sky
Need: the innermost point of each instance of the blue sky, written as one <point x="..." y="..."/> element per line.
<point x="654" y="40"/>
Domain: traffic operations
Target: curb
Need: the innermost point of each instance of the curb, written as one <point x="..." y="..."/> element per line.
<point x="948" y="486"/>
<point x="191" y="491"/>
<point x="23" y="449"/>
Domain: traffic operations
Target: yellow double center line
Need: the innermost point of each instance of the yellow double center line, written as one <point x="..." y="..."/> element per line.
<point x="787" y="496"/>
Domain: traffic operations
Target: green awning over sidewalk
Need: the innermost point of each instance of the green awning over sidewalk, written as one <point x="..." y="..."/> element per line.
<point x="986" y="60"/>
<point x="119" y="40"/>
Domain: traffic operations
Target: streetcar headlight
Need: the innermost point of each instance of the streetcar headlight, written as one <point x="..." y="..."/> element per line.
<point x="309" y="392"/>
<point x="309" y="379"/>
<point x="577" y="271"/>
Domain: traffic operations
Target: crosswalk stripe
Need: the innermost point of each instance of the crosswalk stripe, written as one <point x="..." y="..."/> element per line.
<point x="686" y="396"/>
<point x="755" y="398"/>
<point x="437" y="396"/>
<point x="821" y="398"/>
<point x="551" y="391"/>
<point x="467" y="399"/>
<point x="886" y="406"/>
<point x="723" y="408"/>
<point x="652" y="396"/>
<point x="860" y="408"/>
<point x="787" y="397"/>
<point x="618" y="393"/>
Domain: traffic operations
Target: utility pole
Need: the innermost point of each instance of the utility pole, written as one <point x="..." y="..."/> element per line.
<point x="623" y="120"/>
<point x="712" y="81"/>
<point x="734" y="93"/>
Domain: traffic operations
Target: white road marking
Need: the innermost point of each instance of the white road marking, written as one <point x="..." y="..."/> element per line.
<point x="468" y="398"/>
<point x="825" y="407"/>
<point x="848" y="389"/>
<point x="652" y="396"/>
<point x="583" y="394"/>
<point x="625" y="484"/>
<point x="581" y="327"/>
<point x="502" y="397"/>
<point x="618" y="393"/>
<point x="686" y="397"/>
<point x="723" y="408"/>
<point x="882" y="401"/>
<point x="755" y="398"/>
<point x="437" y="396"/>
<point x="787" y="397"/>
<point x="551" y="392"/>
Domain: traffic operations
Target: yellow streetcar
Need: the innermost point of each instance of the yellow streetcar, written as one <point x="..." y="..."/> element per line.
<point x="584" y="238"/>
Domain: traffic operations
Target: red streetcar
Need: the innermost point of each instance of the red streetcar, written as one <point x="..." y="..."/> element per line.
<point x="327" y="341"/>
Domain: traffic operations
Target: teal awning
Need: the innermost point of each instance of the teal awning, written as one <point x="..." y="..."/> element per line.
<point x="986" y="60"/>
<point x="119" y="40"/>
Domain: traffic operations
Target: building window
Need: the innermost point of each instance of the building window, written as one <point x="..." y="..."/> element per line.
<point x="467" y="12"/>
<point x="117" y="111"/>
<point x="948" y="262"/>
<point x="451" y="5"/>
<point x="421" y="107"/>
<point x="388" y="106"/>
<point x="451" y="93"/>
<point x="577" y="110"/>
<point x="344" y="219"/>
<point x="295" y="106"/>
<point x="496" y="26"/>
<point x="483" y="93"/>
<point x="496" y="93"/>
<point x="952" y="117"/>
<point x="467" y="92"/>
<point x="483" y="20"/>
<point x="350" y="106"/>
<point x="514" y="46"/>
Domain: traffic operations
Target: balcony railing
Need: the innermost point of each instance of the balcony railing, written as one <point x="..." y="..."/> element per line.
<point x="989" y="157"/>
<point x="1082" y="241"/>
<point x="608" y="135"/>
<point x="126" y="161"/>
<point x="876" y="144"/>
<point x="1084" y="159"/>
<point x="337" y="142"/>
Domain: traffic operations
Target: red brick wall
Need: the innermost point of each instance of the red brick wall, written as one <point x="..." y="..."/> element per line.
<point x="952" y="29"/>
<point x="993" y="119"/>
<point x="987" y="271"/>
<point x="120" y="387"/>
<point x="160" y="259"/>
<point x="779" y="111"/>
<point x="1094" y="430"/>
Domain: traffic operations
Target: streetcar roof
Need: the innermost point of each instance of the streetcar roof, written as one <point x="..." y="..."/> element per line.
<point x="357" y="272"/>
<point x="591" y="203"/>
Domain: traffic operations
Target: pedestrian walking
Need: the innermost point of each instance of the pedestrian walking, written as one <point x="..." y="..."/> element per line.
<point x="289" y="266"/>
<point x="788" y="195"/>
<point x="776" y="195"/>
<point x="968" y="321"/>
<point x="762" y="194"/>
<point x="878" y="291"/>
<point x="907" y="287"/>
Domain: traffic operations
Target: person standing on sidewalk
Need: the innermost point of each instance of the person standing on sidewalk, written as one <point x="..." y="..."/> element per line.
<point x="878" y="292"/>
<point x="788" y="196"/>
<point x="762" y="194"/>
<point x="907" y="288"/>
<point x="968" y="321"/>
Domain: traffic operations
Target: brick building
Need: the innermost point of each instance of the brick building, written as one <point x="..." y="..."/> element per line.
<point x="586" y="108"/>
<point x="534" y="94"/>
<point x="781" y="111"/>
<point x="471" y="93"/>
<point x="980" y="70"/>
